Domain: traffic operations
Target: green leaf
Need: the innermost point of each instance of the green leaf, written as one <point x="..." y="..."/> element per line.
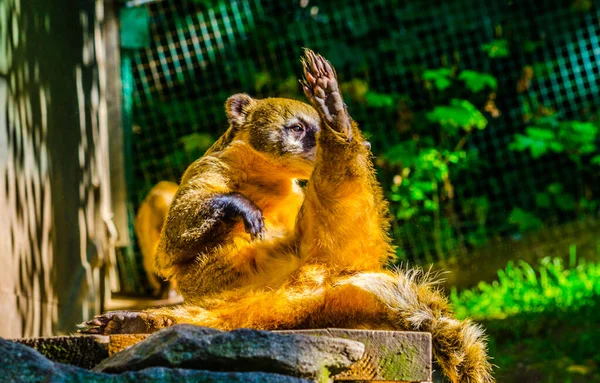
<point x="540" y="133"/>
<point x="496" y="48"/>
<point x="406" y="213"/>
<point x="556" y="147"/>
<point x="596" y="160"/>
<point x="587" y="149"/>
<point x="525" y="220"/>
<point x="477" y="81"/>
<point x="542" y="200"/>
<point x="555" y="188"/>
<point x="379" y="100"/>
<point x="417" y="194"/>
<point x="523" y="143"/>
<point x="425" y="186"/>
<point x="460" y="114"/>
<point x="196" y="142"/>
<point x="565" y="202"/>
<point x="430" y="205"/>
<point x="440" y="77"/>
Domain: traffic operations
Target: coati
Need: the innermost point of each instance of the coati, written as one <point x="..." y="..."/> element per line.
<point x="148" y="224"/>
<point x="248" y="248"/>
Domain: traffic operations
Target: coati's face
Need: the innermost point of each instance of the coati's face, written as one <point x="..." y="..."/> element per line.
<point x="283" y="129"/>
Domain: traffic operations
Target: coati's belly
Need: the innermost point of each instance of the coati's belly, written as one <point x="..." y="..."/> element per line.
<point x="279" y="205"/>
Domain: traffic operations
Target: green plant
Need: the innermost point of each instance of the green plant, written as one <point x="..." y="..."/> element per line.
<point x="190" y="148"/>
<point x="426" y="164"/>
<point x="524" y="220"/>
<point x="496" y="48"/>
<point x="555" y="197"/>
<point x="575" y="140"/>
<point x="542" y="317"/>
<point x="521" y="288"/>
<point x="549" y="135"/>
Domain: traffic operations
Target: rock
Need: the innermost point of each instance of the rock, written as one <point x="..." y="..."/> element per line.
<point x="20" y="363"/>
<point x="82" y="350"/>
<point x="176" y="375"/>
<point x="187" y="346"/>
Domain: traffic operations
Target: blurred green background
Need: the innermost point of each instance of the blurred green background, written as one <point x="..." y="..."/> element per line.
<point x="483" y="117"/>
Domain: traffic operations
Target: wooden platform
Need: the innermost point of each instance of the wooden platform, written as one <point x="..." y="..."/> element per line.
<point x="390" y="356"/>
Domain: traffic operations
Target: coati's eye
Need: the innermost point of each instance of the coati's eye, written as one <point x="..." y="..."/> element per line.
<point x="296" y="128"/>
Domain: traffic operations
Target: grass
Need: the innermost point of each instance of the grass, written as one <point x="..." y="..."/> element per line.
<point x="542" y="321"/>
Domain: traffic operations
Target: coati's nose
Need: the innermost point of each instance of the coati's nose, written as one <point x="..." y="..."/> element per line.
<point x="367" y="144"/>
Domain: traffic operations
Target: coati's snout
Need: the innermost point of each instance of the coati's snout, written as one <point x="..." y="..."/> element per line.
<point x="284" y="128"/>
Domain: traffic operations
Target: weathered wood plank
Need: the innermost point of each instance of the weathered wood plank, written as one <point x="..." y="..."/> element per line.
<point x="122" y="341"/>
<point x="392" y="356"/>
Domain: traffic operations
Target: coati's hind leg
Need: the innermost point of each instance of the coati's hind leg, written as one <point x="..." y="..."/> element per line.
<point x="306" y="302"/>
<point x="343" y="220"/>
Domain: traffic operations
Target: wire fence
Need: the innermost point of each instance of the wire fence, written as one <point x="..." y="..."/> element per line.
<point x="483" y="116"/>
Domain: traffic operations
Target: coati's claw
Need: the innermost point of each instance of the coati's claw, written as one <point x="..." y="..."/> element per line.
<point x="321" y="88"/>
<point x="123" y="322"/>
<point x="254" y="225"/>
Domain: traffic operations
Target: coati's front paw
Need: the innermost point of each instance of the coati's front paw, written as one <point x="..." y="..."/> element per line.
<point x="321" y="88"/>
<point x="235" y="206"/>
<point x="254" y="223"/>
<point x="124" y="322"/>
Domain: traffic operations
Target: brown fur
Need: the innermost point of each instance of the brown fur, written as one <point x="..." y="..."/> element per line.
<point x="148" y="224"/>
<point x="321" y="260"/>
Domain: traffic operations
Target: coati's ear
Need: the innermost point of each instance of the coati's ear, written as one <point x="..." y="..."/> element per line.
<point x="237" y="108"/>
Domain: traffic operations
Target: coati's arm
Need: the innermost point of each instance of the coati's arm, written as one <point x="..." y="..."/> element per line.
<point x="342" y="194"/>
<point x="203" y="215"/>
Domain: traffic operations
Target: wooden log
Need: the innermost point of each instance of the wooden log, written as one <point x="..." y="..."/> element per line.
<point x="120" y="342"/>
<point x="390" y="356"/>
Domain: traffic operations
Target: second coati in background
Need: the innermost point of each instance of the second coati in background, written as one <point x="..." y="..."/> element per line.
<point x="147" y="225"/>
<point x="248" y="248"/>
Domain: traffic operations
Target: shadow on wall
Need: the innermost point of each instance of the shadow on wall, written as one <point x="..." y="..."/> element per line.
<point x="53" y="182"/>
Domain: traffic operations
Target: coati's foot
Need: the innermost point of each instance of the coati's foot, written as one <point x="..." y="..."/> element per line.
<point x="321" y="88"/>
<point x="124" y="322"/>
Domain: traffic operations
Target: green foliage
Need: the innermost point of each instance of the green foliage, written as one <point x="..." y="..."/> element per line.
<point x="439" y="77"/>
<point x="426" y="164"/>
<point x="379" y="100"/>
<point x="575" y="140"/>
<point x="460" y="114"/>
<point x="530" y="45"/>
<point x="196" y="142"/>
<point x="496" y="48"/>
<point x="544" y="317"/>
<point x="191" y="147"/>
<point x="524" y="220"/>
<point x="554" y="197"/>
<point x="548" y="134"/>
<point x="545" y="68"/>
<point x="477" y="81"/>
<point x="522" y="288"/>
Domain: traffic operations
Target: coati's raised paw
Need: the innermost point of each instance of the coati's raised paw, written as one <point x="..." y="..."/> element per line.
<point x="124" y="322"/>
<point x="321" y="88"/>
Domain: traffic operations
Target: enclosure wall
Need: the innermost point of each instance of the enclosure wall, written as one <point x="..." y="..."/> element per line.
<point x="54" y="189"/>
